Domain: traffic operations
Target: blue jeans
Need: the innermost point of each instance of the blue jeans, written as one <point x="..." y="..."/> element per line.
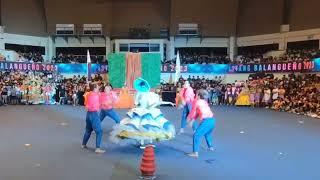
<point x="110" y="113"/>
<point x="205" y="129"/>
<point x="186" y="110"/>
<point x="93" y="123"/>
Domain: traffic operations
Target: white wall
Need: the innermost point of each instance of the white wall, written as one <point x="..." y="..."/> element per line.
<point x="25" y="40"/>
<point x="51" y="43"/>
<point x="197" y="42"/>
<point x="150" y="41"/>
<point x="279" y="38"/>
<point x="81" y="42"/>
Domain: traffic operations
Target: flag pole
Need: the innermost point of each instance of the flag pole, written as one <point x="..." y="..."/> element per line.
<point x="178" y="69"/>
<point x="88" y="66"/>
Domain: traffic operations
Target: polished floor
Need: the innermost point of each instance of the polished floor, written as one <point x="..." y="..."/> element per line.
<point x="43" y="143"/>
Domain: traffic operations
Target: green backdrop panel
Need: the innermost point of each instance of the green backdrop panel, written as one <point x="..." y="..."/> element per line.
<point x="151" y="68"/>
<point x="117" y="69"/>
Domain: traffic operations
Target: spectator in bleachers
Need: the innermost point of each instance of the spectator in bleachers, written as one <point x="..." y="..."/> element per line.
<point x="70" y="58"/>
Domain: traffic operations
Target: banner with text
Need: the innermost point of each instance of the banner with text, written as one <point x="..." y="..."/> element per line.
<point x="307" y="66"/>
<point x="22" y="66"/>
<point x="82" y="68"/>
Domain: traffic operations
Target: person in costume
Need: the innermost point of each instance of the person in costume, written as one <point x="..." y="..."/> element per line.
<point x="252" y="92"/>
<point x="107" y="100"/>
<point x="201" y="111"/>
<point x="145" y="123"/>
<point x="275" y="93"/>
<point x="93" y="122"/>
<point x="228" y="95"/>
<point x="266" y="96"/>
<point x="244" y="97"/>
<point x="258" y="96"/>
<point x="186" y="96"/>
<point x="215" y="96"/>
<point x="47" y="93"/>
<point x="233" y="94"/>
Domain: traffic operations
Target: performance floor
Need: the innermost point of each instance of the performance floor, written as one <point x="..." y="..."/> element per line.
<point x="250" y="144"/>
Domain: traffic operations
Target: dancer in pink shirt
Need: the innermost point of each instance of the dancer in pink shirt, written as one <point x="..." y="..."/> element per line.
<point x="201" y="111"/>
<point x="107" y="99"/>
<point x="93" y="122"/>
<point x="187" y="97"/>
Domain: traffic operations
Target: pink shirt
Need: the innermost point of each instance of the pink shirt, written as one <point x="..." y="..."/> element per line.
<point x="108" y="99"/>
<point x="201" y="110"/>
<point x="93" y="103"/>
<point x="187" y="94"/>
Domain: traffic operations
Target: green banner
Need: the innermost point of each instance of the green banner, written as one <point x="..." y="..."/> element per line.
<point x="151" y="68"/>
<point x="117" y="69"/>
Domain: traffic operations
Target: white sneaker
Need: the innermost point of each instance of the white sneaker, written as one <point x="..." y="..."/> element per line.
<point x="99" y="151"/>
<point x="211" y="149"/>
<point x="194" y="154"/>
<point x="84" y="147"/>
<point x="181" y="131"/>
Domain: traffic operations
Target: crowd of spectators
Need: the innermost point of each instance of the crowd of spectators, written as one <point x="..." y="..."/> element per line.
<point x="30" y="57"/>
<point x="70" y="58"/>
<point x="247" y="58"/>
<point x="200" y="59"/>
<point x="298" y="94"/>
<point x="288" y="56"/>
<point x="39" y="88"/>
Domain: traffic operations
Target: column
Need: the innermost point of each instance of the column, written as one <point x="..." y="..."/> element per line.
<point x="108" y="46"/>
<point x="117" y="46"/>
<point x="232" y="49"/>
<point x="2" y="40"/>
<point x="171" y="48"/>
<point x="161" y="43"/>
<point x="50" y="49"/>
<point x="282" y="42"/>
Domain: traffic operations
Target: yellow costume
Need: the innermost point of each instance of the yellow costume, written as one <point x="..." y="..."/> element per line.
<point x="125" y="100"/>
<point x="243" y="98"/>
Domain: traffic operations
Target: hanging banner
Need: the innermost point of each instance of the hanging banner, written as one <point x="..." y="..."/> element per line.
<point x="23" y="66"/>
<point x="82" y="68"/>
<point x="306" y="66"/>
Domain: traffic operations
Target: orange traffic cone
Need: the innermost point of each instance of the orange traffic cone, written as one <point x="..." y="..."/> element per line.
<point x="148" y="167"/>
